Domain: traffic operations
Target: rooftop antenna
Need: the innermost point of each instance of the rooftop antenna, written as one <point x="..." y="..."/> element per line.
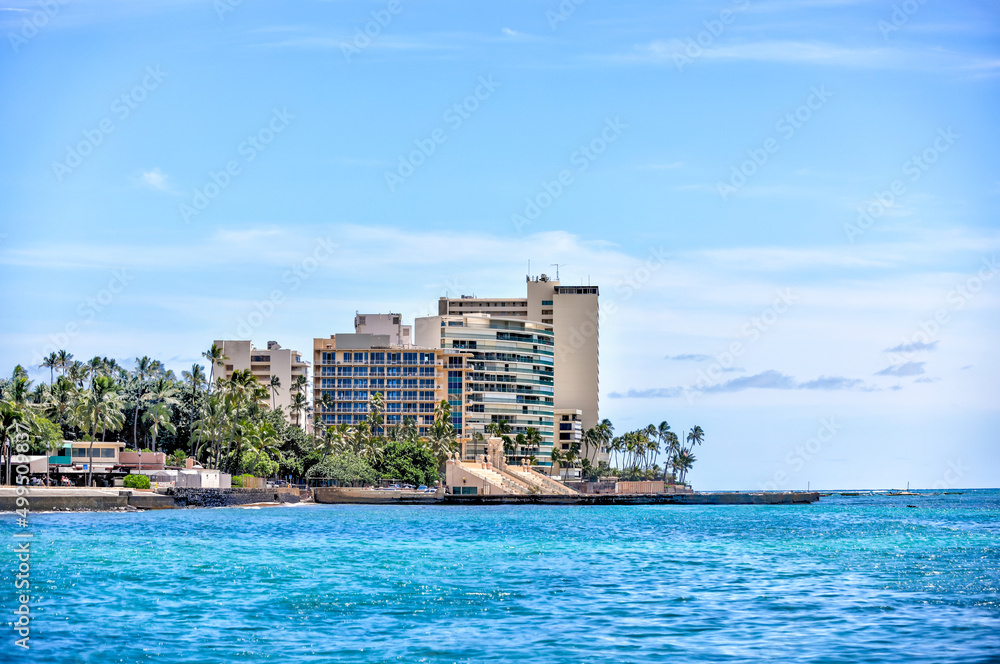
<point x="529" y="269"/>
<point x="557" y="266"/>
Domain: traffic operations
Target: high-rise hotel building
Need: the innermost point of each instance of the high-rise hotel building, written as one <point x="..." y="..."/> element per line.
<point x="284" y="363"/>
<point x="508" y="375"/>
<point x="572" y="315"/>
<point x="351" y="368"/>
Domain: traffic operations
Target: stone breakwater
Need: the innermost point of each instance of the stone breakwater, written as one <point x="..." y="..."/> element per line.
<point x="189" y="497"/>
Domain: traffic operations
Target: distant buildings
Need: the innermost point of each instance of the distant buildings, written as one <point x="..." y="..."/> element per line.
<point x="284" y="363"/>
<point x="531" y="362"/>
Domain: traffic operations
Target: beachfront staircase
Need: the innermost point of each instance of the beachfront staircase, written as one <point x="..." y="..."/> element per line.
<point x="542" y="482"/>
<point x="505" y="482"/>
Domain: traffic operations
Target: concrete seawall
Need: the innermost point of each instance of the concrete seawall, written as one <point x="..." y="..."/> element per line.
<point x="726" y="498"/>
<point x="49" y="499"/>
<point x="329" y="495"/>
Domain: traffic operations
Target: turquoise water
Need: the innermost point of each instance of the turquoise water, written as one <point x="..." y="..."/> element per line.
<point x="845" y="580"/>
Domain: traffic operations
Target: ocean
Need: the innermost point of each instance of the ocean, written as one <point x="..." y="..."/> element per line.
<point x="848" y="579"/>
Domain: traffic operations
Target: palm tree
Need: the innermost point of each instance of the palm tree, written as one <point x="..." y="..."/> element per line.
<point x="442" y="436"/>
<point x="215" y="357"/>
<point x="77" y="373"/>
<point x="501" y="429"/>
<point x="299" y="404"/>
<point x="195" y="378"/>
<point x="157" y="417"/>
<point x="275" y="385"/>
<point x="63" y="359"/>
<point x="13" y="422"/>
<point x="144" y="368"/>
<point x="556" y="457"/>
<point x="100" y="409"/>
<point x="209" y="428"/>
<point x="51" y="362"/>
<point x="61" y="401"/>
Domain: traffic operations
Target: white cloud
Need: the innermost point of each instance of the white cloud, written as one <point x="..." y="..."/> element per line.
<point x="157" y="179"/>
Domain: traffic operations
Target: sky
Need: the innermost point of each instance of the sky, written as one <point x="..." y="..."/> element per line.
<point x="790" y="208"/>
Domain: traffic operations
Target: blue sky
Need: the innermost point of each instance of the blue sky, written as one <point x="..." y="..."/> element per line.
<point x="708" y="164"/>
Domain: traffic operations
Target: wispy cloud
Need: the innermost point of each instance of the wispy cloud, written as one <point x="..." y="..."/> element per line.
<point x="766" y="380"/>
<point x="816" y="53"/>
<point x="905" y="369"/>
<point x="912" y="347"/>
<point x="157" y="179"/>
<point x="666" y="166"/>
<point x="689" y="357"/>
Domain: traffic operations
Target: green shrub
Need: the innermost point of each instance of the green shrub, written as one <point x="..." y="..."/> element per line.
<point x="237" y="480"/>
<point x="345" y="469"/>
<point x="136" y="482"/>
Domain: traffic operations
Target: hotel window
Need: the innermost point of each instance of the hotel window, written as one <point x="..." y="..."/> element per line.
<point x="347" y="357"/>
<point x="427" y="371"/>
<point x="360" y="357"/>
<point x="546" y="303"/>
<point x="107" y="453"/>
<point x="409" y="358"/>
